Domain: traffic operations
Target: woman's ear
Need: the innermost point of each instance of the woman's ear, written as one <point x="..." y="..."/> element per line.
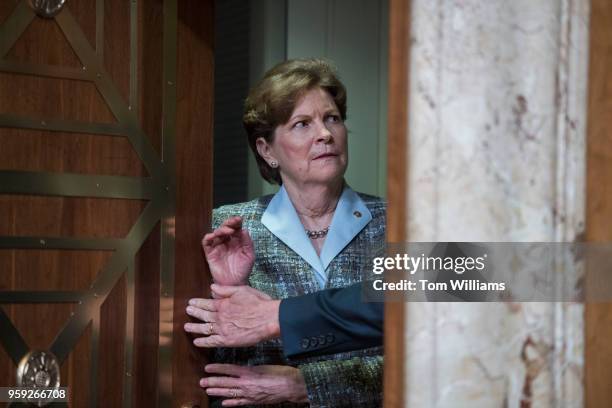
<point x="264" y="150"/>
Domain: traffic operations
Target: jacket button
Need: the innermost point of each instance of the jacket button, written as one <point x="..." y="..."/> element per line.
<point x="330" y="338"/>
<point x="305" y="343"/>
<point x="357" y="214"/>
<point x="314" y="341"/>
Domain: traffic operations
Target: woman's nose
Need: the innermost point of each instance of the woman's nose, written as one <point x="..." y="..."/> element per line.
<point x="324" y="135"/>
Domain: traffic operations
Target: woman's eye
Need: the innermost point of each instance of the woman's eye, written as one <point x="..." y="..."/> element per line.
<point x="300" y="124"/>
<point x="333" y="118"/>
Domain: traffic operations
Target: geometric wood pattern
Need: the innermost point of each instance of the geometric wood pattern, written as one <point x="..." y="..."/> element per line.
<point x="157" y="190"/>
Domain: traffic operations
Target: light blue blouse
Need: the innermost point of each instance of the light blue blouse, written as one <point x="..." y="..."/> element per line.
<point x="350" y="217"/>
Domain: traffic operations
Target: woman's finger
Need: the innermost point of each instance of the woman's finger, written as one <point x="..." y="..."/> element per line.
<point x="207" y="239"/>
<point x="222" y="233"/>
<point x="220" y="382"/>
<point x="209" y="342"/>
<point x="212" y="240"/>
<point x="234" y="222"/>
<point x="191" y="328"/>
<point x="225" y="392"/>
<point x="201" y="314"/>
<point x="198" y="328"/>
<point x="196" y="312"/>
<point x="204" y="304"/>
<point x="224" y="230"/>
<point x="237" y="402"/>
<point x="218" y="240"/>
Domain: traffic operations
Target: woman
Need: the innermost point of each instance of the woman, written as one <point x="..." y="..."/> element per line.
<point x="315" y="233"/>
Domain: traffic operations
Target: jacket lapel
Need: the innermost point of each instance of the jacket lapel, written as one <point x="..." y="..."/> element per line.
<point x="282" y="221"/>
<point x="350" y="217"/>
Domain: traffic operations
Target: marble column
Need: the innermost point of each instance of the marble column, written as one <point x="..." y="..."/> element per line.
<point x="497" y="110"/>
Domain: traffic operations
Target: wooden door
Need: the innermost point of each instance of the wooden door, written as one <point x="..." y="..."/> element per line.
<point x="105" y="191"/>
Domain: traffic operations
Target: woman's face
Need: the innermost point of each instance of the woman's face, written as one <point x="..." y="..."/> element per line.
<point x="311" y="148"/>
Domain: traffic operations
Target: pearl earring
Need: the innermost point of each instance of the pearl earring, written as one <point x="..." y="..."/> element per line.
<point x="273" y="164"/>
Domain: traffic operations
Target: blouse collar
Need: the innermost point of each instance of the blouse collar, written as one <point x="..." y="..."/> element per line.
<point x="350" y="217"/>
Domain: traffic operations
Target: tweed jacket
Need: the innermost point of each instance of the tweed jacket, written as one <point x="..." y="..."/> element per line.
<point x="350" y="379"/>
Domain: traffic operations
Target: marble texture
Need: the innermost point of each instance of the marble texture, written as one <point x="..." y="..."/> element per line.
<point x="496" y="153"/>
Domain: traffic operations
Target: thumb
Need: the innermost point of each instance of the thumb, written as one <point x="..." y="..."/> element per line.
<point x="224" y="291"/>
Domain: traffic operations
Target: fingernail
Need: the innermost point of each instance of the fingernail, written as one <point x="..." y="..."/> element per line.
<point x="203" y="383"/>
<point x="189" y="309"/>
<point x="192" y="301"/>
<point x="213" y="286"/>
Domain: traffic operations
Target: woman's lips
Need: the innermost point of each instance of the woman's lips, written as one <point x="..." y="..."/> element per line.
<point x="324" y="155"/>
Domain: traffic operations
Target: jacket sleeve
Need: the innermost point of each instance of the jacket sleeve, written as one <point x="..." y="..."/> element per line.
<point x="329" y="322"/>
<point x="355" y="382"/>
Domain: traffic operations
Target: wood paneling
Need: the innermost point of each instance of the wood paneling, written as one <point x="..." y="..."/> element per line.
<point x="44" y="43"/>
<point x="6" y="7"/>
<point x="117" y="44"/>
<point x="194" y="185"/>
<point x="47" y="98"/>
<point x="76" y="368"/>
<point x="85" y="13"/>
<point x="146" y="323"/>
<point x="188" y="145"/>
<point x="147" y="290"/>
<point x="60" y="270"/>
<point x="38" y="323"/>
<point x="67" y="217"/>
<point x="50" y="98"/>
<point x="111" y="364"/>
<point x="150" y="70"/>
<point x="32" y="150"/>
<point x="598" y="381"/>
<point x="397" y="187"/>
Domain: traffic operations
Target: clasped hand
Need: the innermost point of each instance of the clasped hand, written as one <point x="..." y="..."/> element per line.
<point x="239" y="316"/>
<point x="257" y="385"/>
